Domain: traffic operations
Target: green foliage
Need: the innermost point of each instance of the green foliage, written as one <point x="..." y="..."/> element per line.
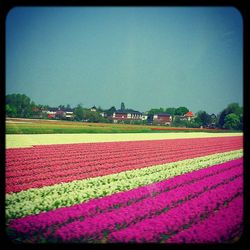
<point x="170" y="111"/>
<point x="19" y="105"/>
<point x="203" y="118"/>
<point x="61" y="107"/>
<point x="155" y="111"/>
<point x="10" y="110"/>
<point x="181" y="111"/>
<point x="92" y="116"/>
<point x="122" y="106"/>
<point x="193" y="124"/>
<point x="177" y="122"/>
<point x="99" y="109"/>
<point x="231" y="121"/>
<point x="110" y="111"/>
<point x="232" y="108"/>
<point x="78" y="112"/>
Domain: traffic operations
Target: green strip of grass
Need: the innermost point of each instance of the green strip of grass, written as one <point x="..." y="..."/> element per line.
<point x="77" y="127"/>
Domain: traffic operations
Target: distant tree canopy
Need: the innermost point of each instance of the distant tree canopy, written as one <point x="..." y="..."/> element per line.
<point x="156" y="111"/>
<point x="181" y="111"/>
<point x="78" y="112"/>
<point x="203" y="118"/>
<point x="10" y="110"/>
<point x="170" y="111"/>
<point x="18" y="105"/>
<point x="84" y="114"/>
<point x="99" y="109"/>
<point x="231" y="122"/>
<point x="91" y="116"/>
<point x="122" y="106"/>
<point x="110" y="111"/>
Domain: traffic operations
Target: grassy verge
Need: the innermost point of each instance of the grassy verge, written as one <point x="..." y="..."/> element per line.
<point x="28" y="126"/>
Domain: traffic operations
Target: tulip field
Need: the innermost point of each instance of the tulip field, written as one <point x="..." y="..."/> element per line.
<point x="184" y="190"/>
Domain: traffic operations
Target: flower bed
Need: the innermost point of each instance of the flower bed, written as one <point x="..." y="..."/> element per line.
<point x="48" y="165"/>
<point x="170" y="189"/>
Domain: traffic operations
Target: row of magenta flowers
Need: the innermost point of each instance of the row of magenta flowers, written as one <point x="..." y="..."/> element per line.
<point x="34" y="201"/>
<point x="128" y="209"/>
<point x="222" y="226"/>
<point x="186" y="215"/>
<point x="17" y="180"/>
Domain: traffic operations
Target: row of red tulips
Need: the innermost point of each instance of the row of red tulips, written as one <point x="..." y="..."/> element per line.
<point x="38" y="153"/>
<point x="48" y="175"/>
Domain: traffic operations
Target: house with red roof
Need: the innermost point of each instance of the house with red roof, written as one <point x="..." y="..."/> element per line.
<point x="188" y="116"/>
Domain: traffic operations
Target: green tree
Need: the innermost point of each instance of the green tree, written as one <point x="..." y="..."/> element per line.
<point x="122" y="106"/>
<point x="232" y="108"/>
<point x="110" y="111"/>
<point x="170" y="111"/>
<point x="155" y="111"/>
<point x="99" y="109"/>
<point x="92" y="116"/>
<point x="61" y="107"/>
<point x="78" y="112"/>
<point x="193" y="124"/>
<point x="181" y="111"/>
<point x="10" y="110"/>
<point x="232" y="121"/>
<point x="178" y="122"/>
<point x="203" y="118"/>
<point x="21" y="103"/>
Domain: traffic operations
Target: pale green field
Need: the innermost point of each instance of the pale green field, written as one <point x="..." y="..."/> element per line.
<point x="26" y="140"/>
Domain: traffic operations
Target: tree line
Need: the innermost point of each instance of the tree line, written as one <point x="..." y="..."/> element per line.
<point x="231" y="117"/>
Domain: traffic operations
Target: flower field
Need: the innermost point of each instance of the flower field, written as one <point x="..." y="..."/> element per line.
<point x="163" y="191"/>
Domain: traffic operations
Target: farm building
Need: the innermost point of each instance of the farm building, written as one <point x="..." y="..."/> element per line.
<point x="59" y="113"/>
<point x="93" y="109"/>
<point x="126" y="115"/>
<point x="162" y="119"/>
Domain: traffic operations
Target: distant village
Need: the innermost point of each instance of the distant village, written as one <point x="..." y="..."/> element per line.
<point x="21" y="106"/>
<point x="121" y="116"/>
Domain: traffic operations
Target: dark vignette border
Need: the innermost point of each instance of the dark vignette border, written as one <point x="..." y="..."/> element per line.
<point x="241" y="5"/>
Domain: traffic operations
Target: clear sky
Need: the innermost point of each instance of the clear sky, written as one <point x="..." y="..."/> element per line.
<point x="146" y="57"/>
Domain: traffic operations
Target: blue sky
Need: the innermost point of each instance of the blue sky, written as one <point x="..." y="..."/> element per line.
<point x="146" y="57"/>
